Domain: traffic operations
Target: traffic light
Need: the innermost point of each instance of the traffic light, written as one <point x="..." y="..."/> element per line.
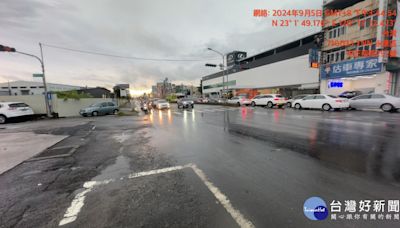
<point x="7" y="49"/>
<point x="210" y="65"/>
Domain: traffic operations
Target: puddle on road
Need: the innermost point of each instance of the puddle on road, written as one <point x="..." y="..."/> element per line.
<point x="115" y="171"/>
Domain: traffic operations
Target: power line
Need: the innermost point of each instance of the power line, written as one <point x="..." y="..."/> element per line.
<point x="125" y="57"/>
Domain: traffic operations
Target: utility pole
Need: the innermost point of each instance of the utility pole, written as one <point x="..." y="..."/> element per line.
<point x="46" y="98"/>
<point x="223" y="67"/>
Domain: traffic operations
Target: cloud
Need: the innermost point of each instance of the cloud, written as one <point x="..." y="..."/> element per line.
<point x="151" y="29"/>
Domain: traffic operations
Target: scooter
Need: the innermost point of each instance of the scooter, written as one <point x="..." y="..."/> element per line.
<point x="146" y="108"/>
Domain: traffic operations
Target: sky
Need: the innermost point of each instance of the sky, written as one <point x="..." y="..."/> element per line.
<point x="162" y="29"/>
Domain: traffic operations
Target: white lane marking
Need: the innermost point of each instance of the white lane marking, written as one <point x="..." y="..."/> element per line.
<point x="157" y="171"/>
<point x="236" y="215"/>
<point x="178" y="113"/>
<point x="78" y="202"/>
<point x="94" y="127"/>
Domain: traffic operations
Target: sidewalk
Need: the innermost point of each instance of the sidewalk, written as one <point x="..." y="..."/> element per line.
<point x="18" y="147"/>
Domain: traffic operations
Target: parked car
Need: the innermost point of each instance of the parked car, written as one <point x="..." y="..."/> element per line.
<point x="239" y="100"/>
<point x="102" y="108"/>
<point x="13" y="109"/>
<point x="375" y="101"/>
<point x="201" y="100"/>
<point x="322" y="101"/>
<point x="185" y="103"/>
<point x="217" y="100"/>
<point x="350" y="94"/>
<point x="269" y="100"/>
<point x="161" y="104"/>
<point x="295" y="98"/>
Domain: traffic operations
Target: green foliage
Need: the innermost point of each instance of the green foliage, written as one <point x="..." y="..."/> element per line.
<point x="171" y="98"/>
<point x="72" y="95"/>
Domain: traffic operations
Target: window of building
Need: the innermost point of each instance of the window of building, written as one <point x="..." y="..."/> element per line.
<point x="24" y="92"/>
<point x="4" y="87"/>
<point x="370" y="21"/>
<point x="22" y="87"/>
<point x="14" y="87"/>
<point x="335" y="56"/>
<point x="33" y="87"/>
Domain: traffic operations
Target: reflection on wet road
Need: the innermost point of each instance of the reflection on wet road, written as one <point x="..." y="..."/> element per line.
<point x="264" y="158"/>
<point x="364" y="142"/>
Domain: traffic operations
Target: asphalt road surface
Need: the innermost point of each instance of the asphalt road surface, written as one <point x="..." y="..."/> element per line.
<point x="212" y="166"/>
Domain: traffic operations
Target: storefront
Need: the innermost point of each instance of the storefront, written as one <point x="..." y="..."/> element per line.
<point x="366" y="75"/>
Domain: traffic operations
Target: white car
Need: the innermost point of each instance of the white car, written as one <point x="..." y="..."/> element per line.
<point x="13" y="109"/>
<point x="269" y="100"/>
<point x="375" y="101"/>
<point x="297" y="97"/>
<point x="161" y="104"/>
<point x="322" y="101"/>
<point x="239" y="100"/>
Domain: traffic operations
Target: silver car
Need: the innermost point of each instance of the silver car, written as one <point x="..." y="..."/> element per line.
<point x="102" y="108"/>
<point x="185" y="103"/>
<point x="375" y="101"/>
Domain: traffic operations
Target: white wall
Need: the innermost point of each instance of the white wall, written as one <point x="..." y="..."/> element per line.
<point x="64" y="108"/>
<point x="36" y="102"/>
<point x="289" y="72"/>
<point x="71" y="107"/>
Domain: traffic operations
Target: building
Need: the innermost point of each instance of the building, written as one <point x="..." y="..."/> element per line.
<point x="163" y="89"/>
<point x="97" y="92"/>
<point x="121" y="90"/>
<point x="357" y="50"/>
<point x="15" y="88"/>
<point x="284" y="69"/>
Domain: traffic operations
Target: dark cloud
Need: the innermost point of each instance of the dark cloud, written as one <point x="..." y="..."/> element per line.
<point x="151" y="28"/>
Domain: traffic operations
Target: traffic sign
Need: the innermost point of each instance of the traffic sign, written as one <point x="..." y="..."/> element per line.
<point x="38" y="75"/>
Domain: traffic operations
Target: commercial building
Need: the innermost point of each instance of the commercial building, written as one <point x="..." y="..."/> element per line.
<point x="284" y="69"/>
<point x="15" y="88"/>
<point x="357" y="52"/>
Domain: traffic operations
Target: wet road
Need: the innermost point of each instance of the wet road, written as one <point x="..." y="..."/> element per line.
<point x="270" y="161"/>
<point x="230" y="166"/>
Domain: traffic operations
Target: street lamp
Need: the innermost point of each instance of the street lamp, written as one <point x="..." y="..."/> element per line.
<point x="8" y="49"/>
<point x="223" y="68"/>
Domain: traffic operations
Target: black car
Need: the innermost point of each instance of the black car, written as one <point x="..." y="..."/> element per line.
<point x="350" y="94"/>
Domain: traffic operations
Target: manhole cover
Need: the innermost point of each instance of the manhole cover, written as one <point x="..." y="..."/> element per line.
<point x="57" y="152"/>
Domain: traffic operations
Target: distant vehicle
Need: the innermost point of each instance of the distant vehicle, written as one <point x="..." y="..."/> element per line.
<point x="239" y="100"/>
<point x="162" y="104"/>
<point x="202" y="100"/>
<point x="322" y="101"/>
<point x="375" y="101"/>
<point x="350" y="94"/>
<point x="297" y="97"/>
<point x="13" y="109"/>
<point x="146" y="108"/>
<point x="269" y="100"/>
<point x="102" y="108"/>
<point x="185" y="103"/>
<point x="217" y="100"/>
<point x="153" y="102"/>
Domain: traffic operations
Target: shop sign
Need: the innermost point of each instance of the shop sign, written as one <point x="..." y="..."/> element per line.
<point x="351" y="68"/>
<point x="335" y="84"/>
